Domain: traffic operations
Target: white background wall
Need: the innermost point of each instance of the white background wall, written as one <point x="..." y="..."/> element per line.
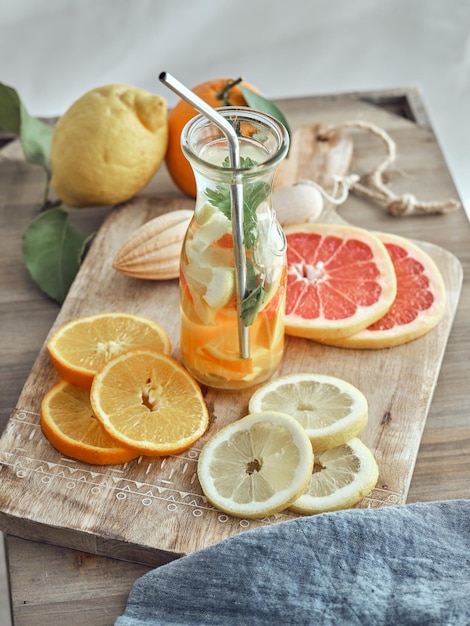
<point x="53" y="51"/>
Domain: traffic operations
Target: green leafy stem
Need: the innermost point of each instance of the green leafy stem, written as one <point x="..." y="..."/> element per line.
<point x="253" y="194"/>
<point x="52" y="249"/>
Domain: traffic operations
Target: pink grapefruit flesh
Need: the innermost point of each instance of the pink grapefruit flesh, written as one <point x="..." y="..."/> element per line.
<point x="340" y="280"/>
<point x="419" y="304"/>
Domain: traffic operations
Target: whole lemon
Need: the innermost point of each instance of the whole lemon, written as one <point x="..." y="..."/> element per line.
<point x="108" y="145"/>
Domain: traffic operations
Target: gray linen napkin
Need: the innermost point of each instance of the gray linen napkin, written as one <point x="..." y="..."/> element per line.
<point x="400" y="565"/>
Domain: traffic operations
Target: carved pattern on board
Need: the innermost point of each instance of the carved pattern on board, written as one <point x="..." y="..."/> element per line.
<point x="169" y="482"/>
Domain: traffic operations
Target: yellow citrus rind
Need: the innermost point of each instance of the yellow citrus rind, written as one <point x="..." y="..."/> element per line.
<point x="256" y="466"/>
<point x="342" y="477"/>
<point x="331" y="410"/>
<point x="108" y="145"/>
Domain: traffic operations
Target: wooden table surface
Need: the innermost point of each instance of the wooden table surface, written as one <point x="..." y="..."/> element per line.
<point x="57" y="585"/>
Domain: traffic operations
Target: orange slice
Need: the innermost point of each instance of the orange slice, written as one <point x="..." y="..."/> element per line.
<point x="340" y="280"/>
<point x="419" y="304"/>
<point x="68" y="422"/>
<point x="80" y="348"/>
<point x="148" y="402"/>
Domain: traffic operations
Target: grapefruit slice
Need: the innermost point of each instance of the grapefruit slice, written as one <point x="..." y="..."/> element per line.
<point x="419" y="304"/>
<point x="340" y="279"/>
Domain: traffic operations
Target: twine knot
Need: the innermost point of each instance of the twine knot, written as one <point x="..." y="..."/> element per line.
<point x="378" y="191"/>
<point x="405" y="205"/>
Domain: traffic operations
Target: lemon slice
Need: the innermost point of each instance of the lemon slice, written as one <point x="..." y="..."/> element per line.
<point x="212" y="226"/>
<point x="215" y="286"/>
<point x="341" y="477"/>
<point x="210" y="257"/>
<point x="331" y="410"/>
<point x="220" y="288"/>
<point x="206" y="212"/>
<point x="256" y="466"/>
<point x="209" y="271"/>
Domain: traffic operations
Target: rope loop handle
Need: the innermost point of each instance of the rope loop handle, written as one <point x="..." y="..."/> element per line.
<point x="376" y="189"/>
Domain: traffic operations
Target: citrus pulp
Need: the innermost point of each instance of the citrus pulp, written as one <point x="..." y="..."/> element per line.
<point x="331" y="410"/>
<point x="341" y="477"/>
<point x="68" y="422"/>
<point x="340" y="280"/>
<point x="148" y="402"/>
<point x="80" y="348"/>
<point x="419" y="304"/>
<point x="256" y="466"/>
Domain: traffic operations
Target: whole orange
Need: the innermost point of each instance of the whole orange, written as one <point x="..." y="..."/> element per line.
<point x="217" y="92"/>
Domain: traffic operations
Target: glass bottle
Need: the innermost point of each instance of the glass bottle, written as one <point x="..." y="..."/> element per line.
<point x="229" y="339"/>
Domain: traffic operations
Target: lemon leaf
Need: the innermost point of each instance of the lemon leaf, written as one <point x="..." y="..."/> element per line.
<point x="53" y="251"/>
<point x="257" y="101"/>
<point x="35" y="136"/>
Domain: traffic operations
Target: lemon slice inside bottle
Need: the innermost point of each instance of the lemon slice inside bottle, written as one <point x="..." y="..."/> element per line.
<point x="220" y="288"/>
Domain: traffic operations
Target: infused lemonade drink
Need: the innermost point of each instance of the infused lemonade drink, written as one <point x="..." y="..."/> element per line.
<point x="211" y="306"/>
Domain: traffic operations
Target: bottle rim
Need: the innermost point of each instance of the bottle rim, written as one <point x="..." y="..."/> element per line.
<point x="243" y="114"/>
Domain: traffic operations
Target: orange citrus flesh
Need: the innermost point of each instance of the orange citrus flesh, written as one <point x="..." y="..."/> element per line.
<point x="148" y="402"/>
<point x="68" y="422"/>
<point x="419" y="304"/>
<point x="217" y="92"/>
<point x="81" y="347"/>
<point x="340" y="280"/>
<point x="211" y="351"/>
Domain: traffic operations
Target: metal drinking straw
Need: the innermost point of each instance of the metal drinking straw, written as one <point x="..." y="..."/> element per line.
<point x="236" y="196"/>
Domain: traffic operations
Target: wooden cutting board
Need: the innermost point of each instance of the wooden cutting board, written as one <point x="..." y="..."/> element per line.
<point x="152" y="510"/>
